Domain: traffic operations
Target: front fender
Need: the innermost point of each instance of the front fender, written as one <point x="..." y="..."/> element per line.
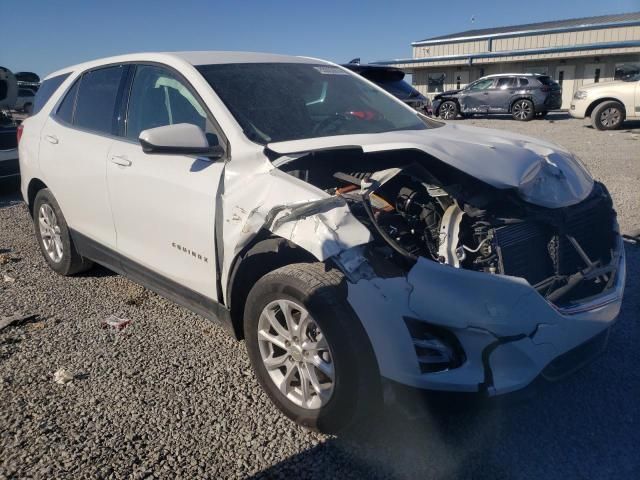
<point x="259" y="197"/>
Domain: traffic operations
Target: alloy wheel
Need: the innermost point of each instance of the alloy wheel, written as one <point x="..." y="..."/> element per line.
<point x="447" y="111"/>
<point x="522" y="110"/>
<point x="610" y="117"/>
<point x="296" y="354"/>
<point x="50" y="232"/>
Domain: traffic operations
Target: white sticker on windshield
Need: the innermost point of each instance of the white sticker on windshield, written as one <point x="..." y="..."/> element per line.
<point x="327" y="70"/>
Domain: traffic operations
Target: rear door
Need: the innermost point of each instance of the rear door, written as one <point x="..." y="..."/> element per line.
<point x="74" y="144"/>
<point x="501" y="93"/>
<point x="164" y="205"/>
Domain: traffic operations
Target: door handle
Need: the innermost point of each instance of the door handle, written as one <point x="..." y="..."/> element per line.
<point x="121" y="160"/>
<point x="486" y="93"/>
<point x="51" y="139"/>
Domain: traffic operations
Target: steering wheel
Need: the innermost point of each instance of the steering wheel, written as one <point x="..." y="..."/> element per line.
<point x="333" y="121"/>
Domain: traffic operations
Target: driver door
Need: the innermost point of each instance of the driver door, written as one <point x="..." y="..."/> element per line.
<point x="475" y="98"/>
<point x="164" y="206"/>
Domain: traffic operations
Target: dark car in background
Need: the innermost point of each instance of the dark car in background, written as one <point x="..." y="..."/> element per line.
<point x="523" y="95"/>
<point x="392" y="80"/>
<point x="28" y="80"/>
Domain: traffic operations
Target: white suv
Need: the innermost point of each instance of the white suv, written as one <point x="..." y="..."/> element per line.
<point x="353" y="243"/>
<point x="609" y="104"/>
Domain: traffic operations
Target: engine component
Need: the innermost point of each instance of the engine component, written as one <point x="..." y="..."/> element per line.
<point x="555" y="250"/>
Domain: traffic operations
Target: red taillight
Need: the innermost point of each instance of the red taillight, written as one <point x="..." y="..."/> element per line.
<point x="19" y="132"/>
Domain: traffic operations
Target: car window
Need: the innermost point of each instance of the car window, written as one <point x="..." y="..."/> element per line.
<point x="523" y="82"/>
<point x="45" y="91"/>
<point x="159" y="98"/>
<point x="276" y="102"/>
<point x="546" y="80"/>
<point x="65" y="110"/>
<point x="97" y="98"/>
<point x="482" y="84"/>
<point x="505" y="82"/>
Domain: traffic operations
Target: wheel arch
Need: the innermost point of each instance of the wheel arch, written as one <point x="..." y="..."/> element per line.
<point x="451" y="99"/>
<point x="599" y="101"/>
<point x="265" y="253"/>
<point x="522" y="97"/>
<point x="35" y="185"/>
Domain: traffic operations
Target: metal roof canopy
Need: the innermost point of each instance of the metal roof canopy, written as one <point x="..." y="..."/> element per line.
<point x="603" y="21"/>
<point x="469" y="57"/>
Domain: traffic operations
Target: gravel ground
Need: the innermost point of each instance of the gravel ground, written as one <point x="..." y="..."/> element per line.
<point x="173" y="396"/>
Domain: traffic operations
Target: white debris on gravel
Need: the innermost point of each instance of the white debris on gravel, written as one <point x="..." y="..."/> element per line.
<point x="62" y="377"/>
<point x="115" y="323"/>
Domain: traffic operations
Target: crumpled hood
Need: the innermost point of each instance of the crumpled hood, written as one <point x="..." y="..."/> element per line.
<point x="543" y="173"/>
<point x="447" y="93"/>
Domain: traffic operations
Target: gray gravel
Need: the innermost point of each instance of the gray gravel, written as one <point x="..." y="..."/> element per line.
<point x="172" y="396"/>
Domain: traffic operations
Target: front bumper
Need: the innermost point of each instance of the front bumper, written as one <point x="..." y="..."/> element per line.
<point x="578" y="108"/>
<point x="509" y="333"/>
<point x="435" y="106"/>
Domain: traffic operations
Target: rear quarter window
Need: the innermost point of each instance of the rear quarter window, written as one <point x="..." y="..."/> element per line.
<point x="546" y="81"/>
<point x="47" y="89"/>
<point x="65" y="110"/>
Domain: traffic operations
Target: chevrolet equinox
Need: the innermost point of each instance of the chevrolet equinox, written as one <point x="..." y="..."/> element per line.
<point x="350" y="241"/>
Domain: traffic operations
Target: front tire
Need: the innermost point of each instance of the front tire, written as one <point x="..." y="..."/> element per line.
<point x="448" y="110"/>
<point x="308" y="349"/>
<point x="54" y="238"/>
<point x="608" y="116"/>
<point x="523" y="110"/>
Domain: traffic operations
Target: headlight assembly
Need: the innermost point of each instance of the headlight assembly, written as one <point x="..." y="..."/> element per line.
<point x="580" y="95"/>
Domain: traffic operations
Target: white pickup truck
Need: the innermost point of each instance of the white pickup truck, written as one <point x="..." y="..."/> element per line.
<point x="608" y="103"/>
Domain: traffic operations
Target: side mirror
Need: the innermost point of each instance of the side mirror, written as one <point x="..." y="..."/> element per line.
<point x="178" y="139"/>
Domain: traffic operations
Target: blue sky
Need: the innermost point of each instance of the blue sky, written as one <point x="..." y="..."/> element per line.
<point x="44" y="35"/>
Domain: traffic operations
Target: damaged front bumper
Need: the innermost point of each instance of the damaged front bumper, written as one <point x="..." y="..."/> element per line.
<point x="509" y="334"/>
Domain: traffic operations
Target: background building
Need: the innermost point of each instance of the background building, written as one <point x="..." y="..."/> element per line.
<point x="574" y="52"/>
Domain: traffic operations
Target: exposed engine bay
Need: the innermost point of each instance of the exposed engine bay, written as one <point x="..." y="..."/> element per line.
<point x="436" y="212"/>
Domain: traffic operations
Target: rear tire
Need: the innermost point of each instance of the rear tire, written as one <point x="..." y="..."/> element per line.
<point x="54" y="238"/>
<point x="608" y="116"/>
<point x="448" y="110"/>
<point x="317" y="293"/>
<point x="523" y="110"/>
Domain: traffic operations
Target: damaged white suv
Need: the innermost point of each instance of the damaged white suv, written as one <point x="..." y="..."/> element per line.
<point x="352" y="242"/>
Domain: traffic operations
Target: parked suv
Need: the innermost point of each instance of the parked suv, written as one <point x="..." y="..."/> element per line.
<point x="609" y="104"/>
<point x="524" y="95"/>
<point x="24" y="101"/>
<point x="392" y="80"/>
<point x="351" y="241"/>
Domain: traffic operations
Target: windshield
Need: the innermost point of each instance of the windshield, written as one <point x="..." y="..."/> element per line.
<point x="627" y="72"/>
<point x="275" y="102"/>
